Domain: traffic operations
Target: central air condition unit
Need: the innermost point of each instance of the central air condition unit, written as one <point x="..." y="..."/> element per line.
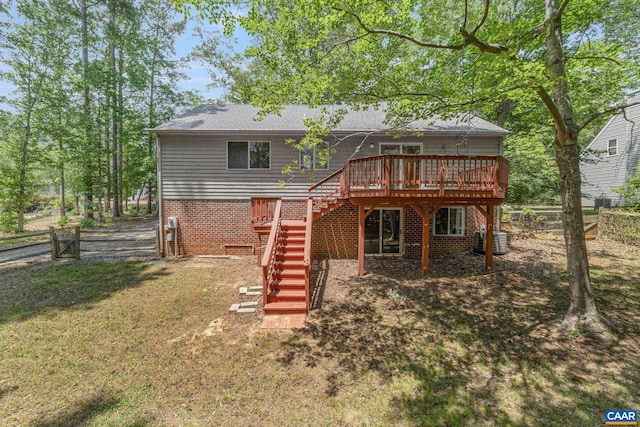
<point x="499" y="242"/>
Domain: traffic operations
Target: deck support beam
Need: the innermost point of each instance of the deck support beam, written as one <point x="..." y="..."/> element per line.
<point x="489" y="216"/>
<point x="426" y="216"/>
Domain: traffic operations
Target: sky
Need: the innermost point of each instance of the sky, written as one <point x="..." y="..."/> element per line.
<point x="198" y="77"/>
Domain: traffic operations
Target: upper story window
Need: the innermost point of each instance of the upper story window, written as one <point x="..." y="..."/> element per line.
<point x="612" y="147"/>
<point x="449" y="222"/>
<point x="316" y="157"/>
<point x="400" y="148"/>
<point x="248" y="155"/>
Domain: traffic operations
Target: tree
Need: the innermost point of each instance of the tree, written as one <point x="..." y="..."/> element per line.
<point x="453" y="56"/>
<point x="631" y="190"/>
<point x="31" y="46"/>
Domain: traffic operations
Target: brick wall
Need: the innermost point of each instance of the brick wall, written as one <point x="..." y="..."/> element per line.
<point x="204" y="226"/>
<point x="335" y="235"/>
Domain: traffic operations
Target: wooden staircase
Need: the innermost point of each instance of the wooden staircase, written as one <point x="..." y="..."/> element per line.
<point x="287" y="293"/>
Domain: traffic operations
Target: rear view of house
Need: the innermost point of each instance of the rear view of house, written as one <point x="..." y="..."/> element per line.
<point x="611" y="158"/>
<point x="363" y="192"/>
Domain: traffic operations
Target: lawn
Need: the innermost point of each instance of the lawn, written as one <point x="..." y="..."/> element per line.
<point x="131" y="343"/>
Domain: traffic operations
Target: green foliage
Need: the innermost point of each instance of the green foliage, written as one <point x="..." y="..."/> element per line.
<point x="631" y="191"/>
<point x="9" y="222"/>
<point x="62" y="221"/>
<point x="619" y="225"/>
<point x="88" y="223"/>
<point x="530" y="219"/>
<point x="396" y="300"/>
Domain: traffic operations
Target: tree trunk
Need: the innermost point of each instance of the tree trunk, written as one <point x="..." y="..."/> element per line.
<point x="582" y="312"/>
<point x="149" y="198"/>
<point x="63" y="209"/>
<point x="114" y="113"/>
<point x="88" y="179"/>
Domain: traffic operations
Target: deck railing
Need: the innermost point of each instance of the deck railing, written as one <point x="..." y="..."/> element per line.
<point x="269" y="257"/>
<point x="395" y="175"/>
<point x="307" y="252"/>
<point x="262" y="209"/>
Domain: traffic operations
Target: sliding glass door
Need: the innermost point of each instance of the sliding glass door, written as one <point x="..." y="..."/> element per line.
<point x="383" y="232"/>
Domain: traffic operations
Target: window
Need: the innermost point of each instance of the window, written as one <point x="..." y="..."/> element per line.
<point x="248" y="155"/>
<point x="612" y="148"/>
<point x="400" y="148"/>
<point x="316" y="157"/>
<point x="449" y="222"/>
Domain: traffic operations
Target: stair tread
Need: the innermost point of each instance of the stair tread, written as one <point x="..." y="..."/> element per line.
<point x="286" y="306"/>
<point x="289" y="292"/>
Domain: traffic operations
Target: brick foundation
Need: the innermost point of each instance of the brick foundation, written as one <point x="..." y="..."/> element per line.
<point x="205" y="226"/>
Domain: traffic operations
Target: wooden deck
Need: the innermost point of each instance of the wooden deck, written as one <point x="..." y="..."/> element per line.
<point x="403" y="178"/>
<point x="426" y="183"/>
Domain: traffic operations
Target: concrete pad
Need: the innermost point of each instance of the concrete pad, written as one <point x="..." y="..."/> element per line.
<point x="246" y="310"/>
<point x="255" y="288"/>
<point x="253" y="293"/>
<point x="234" y="307"/>
<point x="248" y="304"/>
<point x="243" y="290"/>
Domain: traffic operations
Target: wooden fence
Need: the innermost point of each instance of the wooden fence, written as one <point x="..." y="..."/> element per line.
<point x="97" y="243"/>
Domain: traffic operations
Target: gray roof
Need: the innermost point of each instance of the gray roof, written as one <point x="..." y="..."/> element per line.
<point x="236" y="117"/>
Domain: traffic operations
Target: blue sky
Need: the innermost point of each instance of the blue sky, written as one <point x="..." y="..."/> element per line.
<point x="198" y="77"/>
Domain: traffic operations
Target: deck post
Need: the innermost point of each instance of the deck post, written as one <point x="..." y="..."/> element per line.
<point x="361" y="218"/>
<point x="425" y="241"/>
<point x="489" y="238"/>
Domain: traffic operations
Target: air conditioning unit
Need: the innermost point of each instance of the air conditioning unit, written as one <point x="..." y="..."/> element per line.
<point x="499" y="242"/>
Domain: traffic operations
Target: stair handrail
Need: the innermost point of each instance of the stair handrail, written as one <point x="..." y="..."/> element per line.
<point x="327" y="186"/>
<point x="269" y="257"/>
<point x="307" y="253"/>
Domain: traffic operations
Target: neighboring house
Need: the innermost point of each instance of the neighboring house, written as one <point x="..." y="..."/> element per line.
<point x="612" y="157"/>
<point x="428" y="190"/>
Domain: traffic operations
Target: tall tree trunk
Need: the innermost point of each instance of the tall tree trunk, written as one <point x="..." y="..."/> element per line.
<point x="119" y="113"/>
<point x="87" y="169"/>
<point x="582" y="312"/>
<point x="149" y="197"/>
<point x="63" y="208"/>
<point x="114" y="112"/>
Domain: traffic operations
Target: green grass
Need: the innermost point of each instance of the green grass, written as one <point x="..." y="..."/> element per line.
<point x="109" y="344"/>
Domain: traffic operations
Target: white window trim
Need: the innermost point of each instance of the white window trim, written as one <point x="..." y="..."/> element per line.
<point x="248" y="156"/>
<point x="462" y="228"/>
<point x="609" y="147"/>
<point x="399" y="144"/>
<point x="313" y="161"/>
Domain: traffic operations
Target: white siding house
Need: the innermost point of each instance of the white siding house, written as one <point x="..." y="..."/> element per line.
<point x="611" y="158"/>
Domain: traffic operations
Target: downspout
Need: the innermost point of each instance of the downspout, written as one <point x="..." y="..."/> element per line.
<point x="160" y="197"/>
<point x="499" y="211"/>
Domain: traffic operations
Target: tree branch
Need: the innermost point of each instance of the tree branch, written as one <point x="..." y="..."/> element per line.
<point x="553" y="109"/>
<point x="403" y="36"/>
<point x="471" y="38"/>
<point x="607" y="111"/>
<point x="484" y="16"/>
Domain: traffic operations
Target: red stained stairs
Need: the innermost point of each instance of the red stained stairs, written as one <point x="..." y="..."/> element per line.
<point x="287" y="291"/>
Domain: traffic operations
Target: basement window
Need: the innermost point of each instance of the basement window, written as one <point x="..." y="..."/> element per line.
<point x="612" y="147"/>
<point x="248" y="155"/>
<point x="449" y="221"/>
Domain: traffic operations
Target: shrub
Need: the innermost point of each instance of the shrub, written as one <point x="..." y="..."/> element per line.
<point x="9" y="222"/>
<point x="87" y="223"/>
<point x="63" y="221"/>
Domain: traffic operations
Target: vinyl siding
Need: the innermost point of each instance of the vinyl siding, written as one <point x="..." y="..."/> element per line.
<point x="611" y="171"/>
<point x="195" y="166"/>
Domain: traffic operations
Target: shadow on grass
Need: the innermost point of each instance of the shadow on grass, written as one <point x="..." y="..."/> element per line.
<point x="81" y="413"/>
<point x="72" y="285"/>
<point x="474" y="345"/>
